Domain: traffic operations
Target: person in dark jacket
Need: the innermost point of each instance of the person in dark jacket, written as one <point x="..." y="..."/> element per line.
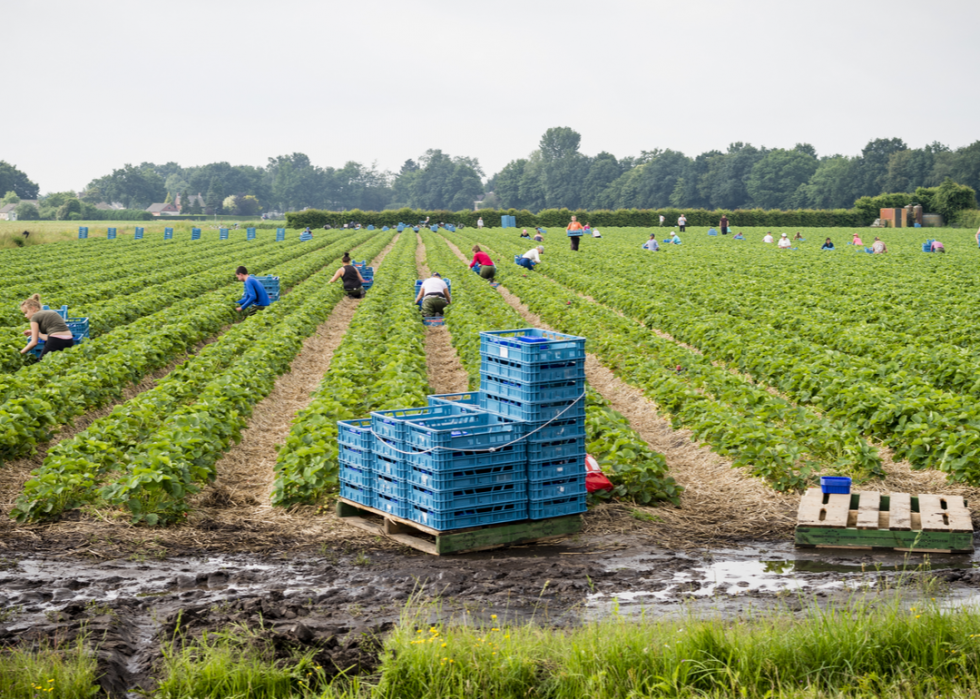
<point x="255" y="296"/>
<point x="353" y="281"/>
<point x="45" y="325"/>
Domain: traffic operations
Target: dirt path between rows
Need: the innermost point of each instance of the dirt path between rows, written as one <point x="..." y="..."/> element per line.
<point x="444" y="368"/>
<point x="719" y="504"/>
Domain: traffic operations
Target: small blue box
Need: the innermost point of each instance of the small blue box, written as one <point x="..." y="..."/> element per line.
<point x="835" y="484"/>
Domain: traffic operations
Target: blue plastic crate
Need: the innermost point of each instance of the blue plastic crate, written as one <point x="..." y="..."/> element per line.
<point x="393" y="468"/>
<point x="360" y="477"/>
<point x="392" y="487"/>
<point x="532" y="373"/>
<point x="559" y="507"/>
<point x="454" y="460"/>
<point x="361" y="458"/>
<point x="555" y="469"/>
<point x="458" y="498"/>
<point x="555" y="450"/>
<point x="391" y="505"/>
<point x="533" y="412"/>
<point x="358" y="494"/>
<point x="565" y="428"/>
<point x="469" y="478"/>
<point x="390" y="449"/>
<point x="553" y="392"/>
<point x="557" y="488"/>
<point x="469" y="517"/>
<point x="470" y="400"/>
<point x="271" y="286"/>
<point x="390" y="424"/>
<point x="368" y="283"/>
<point x="468" y="432"/>
<point x="531" y="345"/>
<point x="835" y="484"/>
<point x="355" y="433"/>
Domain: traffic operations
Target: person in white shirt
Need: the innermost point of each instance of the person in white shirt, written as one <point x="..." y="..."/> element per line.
<point x="434" y="295"/>
<point x="682" y="222"/>
<point x="596" y="233"/>
<point x="652" y="244"/>
<point x="784" y="242"/>
<point x="479" y="222"/>
<point x="662" y="222"/>
<point x="767" y="238"/>
<point x="531" y="257"/>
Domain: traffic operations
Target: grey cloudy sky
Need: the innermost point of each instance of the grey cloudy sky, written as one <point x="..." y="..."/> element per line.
<point x="93" y="85"/>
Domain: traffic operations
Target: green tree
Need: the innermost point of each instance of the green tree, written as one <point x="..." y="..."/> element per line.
<point x="228" y="205"/>
<point x="874" y="163"/>
<point x="775" y="179"/>
<point x="27" y="212"/>
<point x="70" y="207"/>
<point x="12" y="179"/>
<point x="951" y="198"/>
<point x="214" y="197"/>
<point x="564" y="167"/>
<point x="10" y="198"/>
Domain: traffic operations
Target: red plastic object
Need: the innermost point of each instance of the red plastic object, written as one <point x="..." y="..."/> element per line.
<point x="594" y="477"/>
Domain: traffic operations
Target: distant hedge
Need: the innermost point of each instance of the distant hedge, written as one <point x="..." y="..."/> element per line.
<point x="558" y="218"/>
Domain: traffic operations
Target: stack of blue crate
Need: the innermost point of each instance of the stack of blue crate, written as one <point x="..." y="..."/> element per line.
<point x="538" y="376"/>
<point x="355" y="454"/>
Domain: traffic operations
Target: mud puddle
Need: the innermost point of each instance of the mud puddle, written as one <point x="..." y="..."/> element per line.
<point x="341" y="602"/>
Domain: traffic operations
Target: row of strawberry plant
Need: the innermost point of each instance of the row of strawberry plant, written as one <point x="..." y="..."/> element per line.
<point x="929" y="427"/>
<point x="637" y="472"/>
<point x="179" y="457"/>
<point x="39" y="398"/>
<point x="74" y="468"/>
<point x="380" y="364"/>
<point x="785" y="444"/>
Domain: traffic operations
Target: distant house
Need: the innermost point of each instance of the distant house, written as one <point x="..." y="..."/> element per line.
<point x="8" y="213"/>
<point x="163" y="209"/>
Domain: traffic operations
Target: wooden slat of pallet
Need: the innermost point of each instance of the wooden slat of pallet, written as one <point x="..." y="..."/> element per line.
<point x="921" y="542"/>
<point x="814" y="513"/>
<point x="869" y="506"/>
<point x="900" y="512"/>
<point x="932" y="514"/>
<point x="959" y="516"/>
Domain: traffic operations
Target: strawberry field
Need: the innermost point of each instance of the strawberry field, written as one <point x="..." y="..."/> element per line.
<point x="784" y="364"/>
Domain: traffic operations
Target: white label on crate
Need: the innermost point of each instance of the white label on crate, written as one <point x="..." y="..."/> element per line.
<point x="561" y="489"/>
<point x="503" y="352"/>
<point x="560" y="469"/>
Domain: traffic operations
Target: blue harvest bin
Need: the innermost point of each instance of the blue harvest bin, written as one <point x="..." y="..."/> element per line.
<point x="835" y="484"/>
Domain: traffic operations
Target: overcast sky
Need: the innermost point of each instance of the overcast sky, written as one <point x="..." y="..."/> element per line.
<point x="93" y="85"/>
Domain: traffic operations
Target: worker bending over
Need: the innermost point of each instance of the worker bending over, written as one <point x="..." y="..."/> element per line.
<point x="531" y="257"/>
<point x="487" y="269"/>
<point x="353" y="281"/>
<point x="434" y="295"/>
<point x="45" y="325"/>
<point x="255" y="296"/>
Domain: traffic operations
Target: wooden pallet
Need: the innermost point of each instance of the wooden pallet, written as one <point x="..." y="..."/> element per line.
<point x="898" y="521"/>
<point x="438" y="543"/>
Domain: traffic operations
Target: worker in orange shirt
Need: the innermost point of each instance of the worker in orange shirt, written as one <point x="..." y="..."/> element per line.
<point x="575" y="231"/>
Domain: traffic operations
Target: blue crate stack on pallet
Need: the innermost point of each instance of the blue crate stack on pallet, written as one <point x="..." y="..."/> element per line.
<point x="538" y="376"/>
<point x="355" y="456"/>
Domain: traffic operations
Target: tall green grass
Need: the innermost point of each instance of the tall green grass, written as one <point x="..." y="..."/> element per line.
<point x="65" y="673"/>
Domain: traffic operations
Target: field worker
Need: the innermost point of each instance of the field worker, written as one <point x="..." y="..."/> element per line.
<point x="682" y="222"/>
<point x="977" y="236"/>
<point x="856" y="240"/>
<point x="487" y="270"/>
<point x="784" y="242"/>
<point x="531" y="257"/>
<point x="938" y="247"/>
<point x="827" y="245"/>
<point x="574" y="231"/>
<point x="434" y="295"/>
<point x="586" y="227"/>
<point x="662" y="223"/>
<point x="768" y="237"/>
<point x="596" y="233"/>
<point x="739" y="236"/>
<point x="524" y="234"/>
<point x="353" y="281"/>
<point x="878" y="246"/>
<point x="651" y="244"/>
<point x="537" y="237"/>
<point x="798" y="236"/>
<point x="45" y="325"/>
<point x="675" y="240"/>
<point x="479" y="222"/>
<point x="255" y="296"/>
<point x="723" y="225"/>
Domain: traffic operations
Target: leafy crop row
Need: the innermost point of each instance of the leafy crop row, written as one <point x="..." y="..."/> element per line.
<point x="379" y="364"/>
<point x="638" y="472"/>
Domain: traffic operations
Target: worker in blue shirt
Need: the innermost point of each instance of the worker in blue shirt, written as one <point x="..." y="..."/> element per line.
<point x="255" y="296"/>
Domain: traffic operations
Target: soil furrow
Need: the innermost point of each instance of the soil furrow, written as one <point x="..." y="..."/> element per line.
<point x="445" y="370"/>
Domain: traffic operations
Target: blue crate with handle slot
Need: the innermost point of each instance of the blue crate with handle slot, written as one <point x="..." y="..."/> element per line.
<point x="468" y="401"/>
<point x="555" y="449"/>
<point x="467" y="432"/>
<point x="390" y="486"/>
<point x="390" y="449"/>
<point x="355" y="433"/>
<point x="459" y="498"/>
<point x="468" y="517"/>
<point x="468" y="478"/>
<point x="552" y="392"/>
<point x="454" y="460"/>
<point x="359" y="477"/>
<point x="358" y="494"/>
<point x="559" y="507"/>
<point x="391" y="505"/>
<point x="564" y="428"/>
<point x="271" y="285"/>
<point x="532" y="412"/>
<point x="361" y="458"/>
<point x="393" y="468"/>
<point x="555" y="469"/>
<point x="835" y="485"/>
<point x="531" y="345"/>
<point x="532" y="373"/>
<point x="556" y="488"/>
<point x="390" y="424"/>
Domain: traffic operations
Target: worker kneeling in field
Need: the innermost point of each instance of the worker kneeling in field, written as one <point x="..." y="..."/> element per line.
<point x="353" y="281"/>
<point x="45" y="325"/>
<point x="255" y="296"/>
<point x="434" y="295"/>
<point x="487" y="270"/>
<point x="531" y="257"/>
